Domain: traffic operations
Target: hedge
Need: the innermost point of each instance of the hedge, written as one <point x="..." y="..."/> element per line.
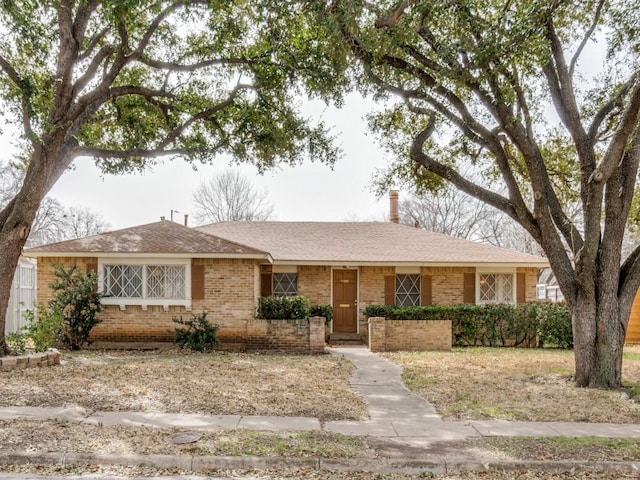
<point x="291" y="307"/>
<point x="527" y="324"/>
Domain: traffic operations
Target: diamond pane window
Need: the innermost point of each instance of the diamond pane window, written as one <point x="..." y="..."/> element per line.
<point x="123" y="281"/>
<point x="165" y="281"/>
<point x="407" y="290"/>
<point x="285" y="284"/>
<point x="496" y="287"/>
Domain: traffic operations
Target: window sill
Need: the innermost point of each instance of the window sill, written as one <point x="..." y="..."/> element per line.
<point x="123" y="303"/>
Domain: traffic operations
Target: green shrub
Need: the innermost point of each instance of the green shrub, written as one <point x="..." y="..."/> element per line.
<point x="44" y="327"/>
<point x="555" y="325"/>
<point x="292" y="307"/>
<point x="17" y="342"/>
<point x="325" y="311"/>
<point x="492" y="324"/>
<point x="76" y="297"/>
<point x="199" y="336"/>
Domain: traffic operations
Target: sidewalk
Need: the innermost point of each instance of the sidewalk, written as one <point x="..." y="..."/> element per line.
<point x="397" y="417"/>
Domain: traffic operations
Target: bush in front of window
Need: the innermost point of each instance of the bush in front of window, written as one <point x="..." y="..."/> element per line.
<point x="76" y="297"/>
<point x="493" y="324"/>
<point x="199" y="335"/>
<point x="292" y="307"/>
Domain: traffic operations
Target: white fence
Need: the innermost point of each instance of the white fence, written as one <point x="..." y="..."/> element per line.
<point x="23" y="295"/>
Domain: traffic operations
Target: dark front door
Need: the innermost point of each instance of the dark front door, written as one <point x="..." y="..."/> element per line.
<point x="345" y="297"/>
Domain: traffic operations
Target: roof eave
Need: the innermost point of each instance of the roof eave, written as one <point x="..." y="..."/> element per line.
<point x="242" y="256"/>
<point x="388" y="263"/>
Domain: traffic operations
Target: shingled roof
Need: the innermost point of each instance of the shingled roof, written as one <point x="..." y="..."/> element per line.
<point x="364" y="242"/>
<point x="164" y="237"/>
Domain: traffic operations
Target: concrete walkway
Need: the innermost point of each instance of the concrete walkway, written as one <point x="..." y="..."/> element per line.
<point x="396" y="414"/>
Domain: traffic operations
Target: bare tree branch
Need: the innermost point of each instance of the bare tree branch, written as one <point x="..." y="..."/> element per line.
<point x="11" y="72"/>
<point x="176" y="67"/>
<point x="607" y="108"/>
<point x="587" y="36"/>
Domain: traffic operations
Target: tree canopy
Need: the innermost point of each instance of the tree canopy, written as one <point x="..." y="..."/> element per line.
<point x="500" y="85"/>
<point x="126" y="82"/>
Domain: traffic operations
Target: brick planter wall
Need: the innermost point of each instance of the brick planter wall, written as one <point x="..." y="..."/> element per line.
<point x="290" y="335"/>
<point x="50" y="357"/>
<point x="412" y="335"/>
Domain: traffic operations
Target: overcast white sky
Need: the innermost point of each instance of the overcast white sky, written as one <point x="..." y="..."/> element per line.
<point x="311" y="191"/>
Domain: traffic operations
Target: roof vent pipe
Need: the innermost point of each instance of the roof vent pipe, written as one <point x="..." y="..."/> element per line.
<point x="394" y="216"/>
<point x="186" y="219"/>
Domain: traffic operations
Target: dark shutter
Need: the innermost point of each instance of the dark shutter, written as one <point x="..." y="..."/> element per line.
<point x="92" y="267"/>
<point x="469" y="288"/>
<point x="390" y="290"/>
<point x="197" y="282"/>
<point x="521" y="285"/>
<point x="425" y="290"/>
<point x="266" y="287"/>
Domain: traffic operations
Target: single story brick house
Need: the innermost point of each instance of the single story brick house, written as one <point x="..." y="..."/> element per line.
<point x="154" y="272"/>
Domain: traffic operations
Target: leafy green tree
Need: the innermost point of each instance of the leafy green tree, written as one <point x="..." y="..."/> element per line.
<point x="474" y="82"/>
<point x="127" y="82"/>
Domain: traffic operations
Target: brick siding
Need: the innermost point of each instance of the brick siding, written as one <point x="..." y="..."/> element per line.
<point x="411" y="335"/>
<point x="314" y="282"/>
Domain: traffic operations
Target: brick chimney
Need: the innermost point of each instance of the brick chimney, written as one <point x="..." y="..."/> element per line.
<point x="394" y="215"/>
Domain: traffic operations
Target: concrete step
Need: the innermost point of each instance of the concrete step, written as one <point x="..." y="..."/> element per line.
<point x="345" y="338"/>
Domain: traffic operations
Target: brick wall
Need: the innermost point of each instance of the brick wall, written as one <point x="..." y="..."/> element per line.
<point x="230" y="296"/>
<point x="447" y="284"/>
<point x="531" y="279"/>
<point x="231" y="292"/>
<point x="289" y="335"/>
<point x="411" y="335"/>
<point x="314" y="282"/>
<point x="371" y="292"/>
<point x="46" y="272"/>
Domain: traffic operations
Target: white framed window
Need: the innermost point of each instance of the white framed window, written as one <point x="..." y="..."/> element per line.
<point x="407" y="289"/>
<point x="496" y="287"/>
<point x="145" y="282"/>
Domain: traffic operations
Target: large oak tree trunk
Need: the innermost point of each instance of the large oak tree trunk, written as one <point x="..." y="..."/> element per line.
<point x="11" y="243"/>
<point x="15" y="224"/>
<point x="599" y="327"/>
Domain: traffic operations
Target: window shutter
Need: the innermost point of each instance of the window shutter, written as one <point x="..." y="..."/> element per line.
<point x="521" y="285"/>
<point x="197" y="282"/>
<point x="390" y="290"/>
<point x="469" y="288"/>
<point x="425" y="290"/>
<point x="266" y="284"/>
<point x="93" y="267"/>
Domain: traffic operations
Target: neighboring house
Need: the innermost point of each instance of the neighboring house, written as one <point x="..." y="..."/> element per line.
<point x="23" y="295"/>
<point x="154" y="272"/>
<point x="547" y="288"/>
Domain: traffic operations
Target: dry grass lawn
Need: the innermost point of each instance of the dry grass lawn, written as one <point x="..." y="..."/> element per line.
<point x="517" y="384"/>
<point x="64" y="436"/>
<point x="214" y="384"/>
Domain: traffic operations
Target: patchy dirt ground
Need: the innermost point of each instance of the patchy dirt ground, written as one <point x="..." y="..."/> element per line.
<point x="304" y="474"/>
<point x="213" y="384"/>
<point x="63" y="436"/>
<point x="517" y="384"/>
